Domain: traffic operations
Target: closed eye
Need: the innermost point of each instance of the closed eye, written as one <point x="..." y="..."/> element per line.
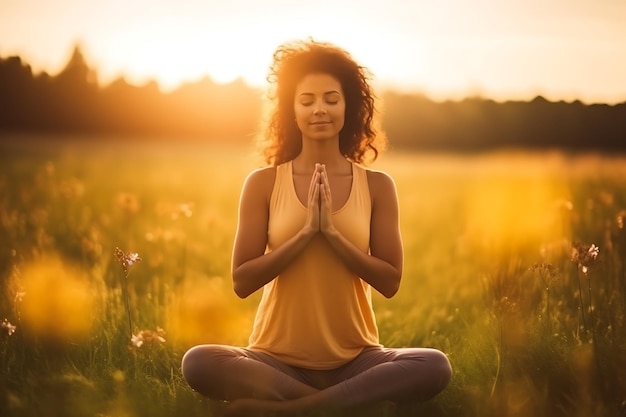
<point x="310" y="103"/>
<point x="331" y="98"/>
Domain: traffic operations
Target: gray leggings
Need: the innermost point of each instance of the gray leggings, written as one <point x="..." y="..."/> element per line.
<point x="376" y="374"/>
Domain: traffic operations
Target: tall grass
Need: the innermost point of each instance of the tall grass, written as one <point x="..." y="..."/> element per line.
<point x="500" y="273"/>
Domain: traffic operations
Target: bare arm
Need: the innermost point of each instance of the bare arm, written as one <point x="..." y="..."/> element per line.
<point x="382" y="267"/>
<point x="252" y="267"/>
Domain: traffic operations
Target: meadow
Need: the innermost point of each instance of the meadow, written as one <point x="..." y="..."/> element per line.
<point x="515" y="267"/>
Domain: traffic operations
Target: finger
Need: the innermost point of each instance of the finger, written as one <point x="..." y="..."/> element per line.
<point x="314" y="180"/>
<point x="324" y="191"/>
<point x="320" y="168"/>
<point x="325" y="179"/>
<point x="314" y="194"/>
<point x="326" y="184"/>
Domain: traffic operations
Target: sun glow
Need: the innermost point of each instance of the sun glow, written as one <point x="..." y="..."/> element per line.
<point x="496" y="50"/>
<point x="147" y="51"/>
<point x="171" y="61"/>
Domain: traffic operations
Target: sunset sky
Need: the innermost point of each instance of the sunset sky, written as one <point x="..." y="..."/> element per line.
<point x="500" y="49"/>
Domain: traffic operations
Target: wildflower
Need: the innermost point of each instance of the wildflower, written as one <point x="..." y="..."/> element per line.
<point x="19" y="296"/>
<point x="147" y="337"/>
<point x="585" y="255"/>
<point x="127" y="259"/>
<point x="136" y="340"/>
<point x="8" y="327"/>
<point x="621" y="219"/>
<point x="547" y="272"/>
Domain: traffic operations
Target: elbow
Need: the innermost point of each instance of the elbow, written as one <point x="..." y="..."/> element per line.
<point x="240" y="290"/>
<point x="390" y="292"/>
<point x="392" y="288"/>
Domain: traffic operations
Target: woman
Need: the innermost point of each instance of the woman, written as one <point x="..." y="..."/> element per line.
<point x="317" y="231"/>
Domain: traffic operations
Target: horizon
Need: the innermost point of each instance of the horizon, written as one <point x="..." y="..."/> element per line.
<point x="204" y="77"/>
<point x="564" y="50"/>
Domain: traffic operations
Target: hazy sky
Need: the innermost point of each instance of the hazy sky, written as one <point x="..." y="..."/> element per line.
<point x="501" y="49"/>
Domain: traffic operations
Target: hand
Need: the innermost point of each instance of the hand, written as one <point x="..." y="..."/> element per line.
<point x="326" y="203"/>
<point x="313" y="204"/>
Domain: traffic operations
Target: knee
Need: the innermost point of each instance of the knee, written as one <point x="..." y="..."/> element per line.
<point x="430" y="363"/>
<point x="199" y="365"/>
<point x="442" y="370"/>
<point x="193" y="365"/>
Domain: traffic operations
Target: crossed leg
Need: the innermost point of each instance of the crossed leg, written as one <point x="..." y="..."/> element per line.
<point x="229" y="373"/>
<point x="254" y="381"/>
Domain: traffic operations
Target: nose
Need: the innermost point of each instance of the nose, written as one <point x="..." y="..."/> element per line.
<point x="319" y="110"/>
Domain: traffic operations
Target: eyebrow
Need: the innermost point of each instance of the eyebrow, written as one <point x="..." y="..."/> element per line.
<point x="326" y="93"/>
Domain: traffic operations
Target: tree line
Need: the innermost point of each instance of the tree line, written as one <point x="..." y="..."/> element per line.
<point x="73" y="102"/>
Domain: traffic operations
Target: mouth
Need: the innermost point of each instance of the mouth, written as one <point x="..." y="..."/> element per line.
<point x="319" y="123"/>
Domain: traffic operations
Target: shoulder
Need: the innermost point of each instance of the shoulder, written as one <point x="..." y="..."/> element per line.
<point x="382" y="189"/>
<point x="262" y="175"/>
<point x="380" y="182"/>
<point x="260" y="181"/>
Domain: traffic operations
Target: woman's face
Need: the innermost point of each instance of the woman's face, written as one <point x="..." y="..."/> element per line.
<point x="320" y="107"/>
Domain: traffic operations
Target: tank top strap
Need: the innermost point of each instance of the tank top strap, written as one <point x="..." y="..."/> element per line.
<point x="360" y="188"/>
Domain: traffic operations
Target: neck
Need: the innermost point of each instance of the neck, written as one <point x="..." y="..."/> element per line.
<point x="320" y="152"/>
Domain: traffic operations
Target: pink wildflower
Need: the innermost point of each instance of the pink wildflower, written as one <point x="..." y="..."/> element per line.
<point x="127" y="259"/>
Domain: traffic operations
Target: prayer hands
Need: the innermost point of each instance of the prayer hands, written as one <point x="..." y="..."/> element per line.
<point x="326" y="207"/>
<point x="320" y="201"/>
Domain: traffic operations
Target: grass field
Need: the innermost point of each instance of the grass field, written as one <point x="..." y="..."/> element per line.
<point x="515" y="267"/>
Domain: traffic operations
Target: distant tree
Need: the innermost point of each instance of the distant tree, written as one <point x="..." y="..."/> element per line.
<point x="16" y="91"/>
<point x="76" y="71"/>
<point x="72" y="101"/>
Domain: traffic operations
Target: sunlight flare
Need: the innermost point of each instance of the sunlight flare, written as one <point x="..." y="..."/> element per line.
<point x="204" y="311"/>
<point x="506" y="210"/>
<point x="58" y="301"/>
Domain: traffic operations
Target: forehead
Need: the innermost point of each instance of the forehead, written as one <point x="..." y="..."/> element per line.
<point x="318" y="83"/>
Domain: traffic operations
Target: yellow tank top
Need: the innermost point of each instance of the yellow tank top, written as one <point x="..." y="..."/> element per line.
<point x="316" y="314"/>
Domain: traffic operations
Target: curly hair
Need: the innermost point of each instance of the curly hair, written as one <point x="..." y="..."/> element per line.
<point x="359" y="140"/>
